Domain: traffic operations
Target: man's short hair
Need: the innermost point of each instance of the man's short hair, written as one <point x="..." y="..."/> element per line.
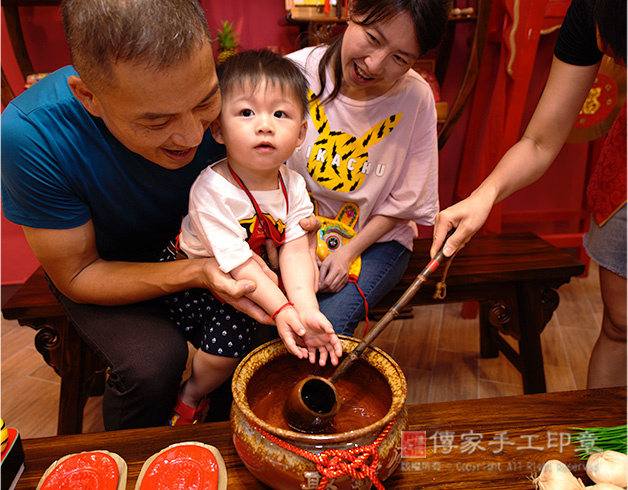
<point x="151" y="33"/>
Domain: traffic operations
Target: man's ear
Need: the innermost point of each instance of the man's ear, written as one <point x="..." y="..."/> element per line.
<point x="216" y="130"/>
<point x="85" y="96"/>
<point x="302" y="133"/>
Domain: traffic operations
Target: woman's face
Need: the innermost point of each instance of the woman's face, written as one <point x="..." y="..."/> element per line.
<point x="375" y="56"/>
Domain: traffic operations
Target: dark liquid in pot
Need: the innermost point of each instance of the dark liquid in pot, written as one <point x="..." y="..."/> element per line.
<point x="363" y="392"/>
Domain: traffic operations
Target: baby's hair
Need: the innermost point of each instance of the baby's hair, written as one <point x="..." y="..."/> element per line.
<point x="255" y="66"/>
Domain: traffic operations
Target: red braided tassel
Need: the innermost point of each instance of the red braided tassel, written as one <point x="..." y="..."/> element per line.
<point x="358" y="462"/>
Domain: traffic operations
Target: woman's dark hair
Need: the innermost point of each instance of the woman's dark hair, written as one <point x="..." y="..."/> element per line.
<point x="610" y="18"/>
<point x="429" y="17"/>
<point x="256" y="66"/>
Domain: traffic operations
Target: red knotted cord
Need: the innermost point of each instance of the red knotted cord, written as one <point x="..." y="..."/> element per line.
<point x="358" y="462"/>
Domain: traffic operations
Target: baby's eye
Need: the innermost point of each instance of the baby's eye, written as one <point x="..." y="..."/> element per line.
<point x="247" y="112"/>
<point x="279" y="114"/>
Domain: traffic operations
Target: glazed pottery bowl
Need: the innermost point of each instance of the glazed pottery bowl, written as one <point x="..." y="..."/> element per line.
<point x="361" y="446"/>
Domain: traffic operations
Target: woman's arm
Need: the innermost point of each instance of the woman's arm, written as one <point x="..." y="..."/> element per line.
<point x="566" y="90"/>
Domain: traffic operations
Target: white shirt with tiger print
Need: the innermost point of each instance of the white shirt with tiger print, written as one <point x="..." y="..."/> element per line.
<point x="381" y="154"/>
<point x="220" y="215"/>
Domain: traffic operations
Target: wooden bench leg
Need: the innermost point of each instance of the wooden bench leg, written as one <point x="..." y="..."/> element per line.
<point x="81" y="371"/>
<point x="522" y="312"/>
<point x="537" y="304"/>
<point x="488" y="349"/>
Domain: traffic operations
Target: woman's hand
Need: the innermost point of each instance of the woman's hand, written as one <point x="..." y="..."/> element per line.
<point x="334" y="271"/>
<point x="467" y="216"/>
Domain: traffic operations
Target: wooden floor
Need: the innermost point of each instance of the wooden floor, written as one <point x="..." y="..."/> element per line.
<point x="437" y="349"/>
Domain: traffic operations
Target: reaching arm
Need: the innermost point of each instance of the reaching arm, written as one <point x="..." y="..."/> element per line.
<point x="335" y="268"/>
<point x="297" y="274"/>
<point x="72" y="261"/>
<point x="271" y="299"/>
<point x="311" y="224"/>
<point x="527" y="160"/>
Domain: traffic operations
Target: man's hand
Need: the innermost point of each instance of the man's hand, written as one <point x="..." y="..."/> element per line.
<point x="234" y="292"/>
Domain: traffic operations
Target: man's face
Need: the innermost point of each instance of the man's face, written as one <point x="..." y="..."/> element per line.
<point x="162" y="115"/>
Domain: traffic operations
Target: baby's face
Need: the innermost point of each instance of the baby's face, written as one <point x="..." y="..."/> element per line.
<point x="261" y="126"/>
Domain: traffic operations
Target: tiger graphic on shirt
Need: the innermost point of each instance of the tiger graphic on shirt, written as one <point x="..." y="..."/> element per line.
<point x="338" y="160"/>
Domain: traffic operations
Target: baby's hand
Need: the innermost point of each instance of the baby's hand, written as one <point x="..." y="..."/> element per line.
<point x="319" y="335"/>
<point x="291" y="330"/>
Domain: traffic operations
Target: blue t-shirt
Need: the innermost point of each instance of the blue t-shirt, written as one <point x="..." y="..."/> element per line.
<point x="62" y="167"/>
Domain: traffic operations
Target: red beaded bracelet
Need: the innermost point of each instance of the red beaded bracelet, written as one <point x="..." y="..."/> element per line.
<point x="282" y="307"/>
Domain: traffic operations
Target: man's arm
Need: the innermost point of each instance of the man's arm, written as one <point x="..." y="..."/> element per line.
<point x="72" y="261"/>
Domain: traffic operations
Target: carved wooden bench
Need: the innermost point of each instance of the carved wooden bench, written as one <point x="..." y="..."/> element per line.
<point x="514" y="278"/>
<point x="82" y="372"/>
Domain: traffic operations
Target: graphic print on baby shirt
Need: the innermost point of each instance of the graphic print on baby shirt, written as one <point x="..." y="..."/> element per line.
<point x="255" y="235"/>
<point x="338" y="161"/>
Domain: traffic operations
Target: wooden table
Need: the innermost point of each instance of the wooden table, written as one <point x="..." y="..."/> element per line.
<point x="530" y="428"/>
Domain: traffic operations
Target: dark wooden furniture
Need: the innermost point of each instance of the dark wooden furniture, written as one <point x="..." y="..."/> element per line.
<point x="11" y="9"/>
<point x="81" y="371"/>
<point x="532" y="428"/>
<point x="514" y="278"/>
<point x="14" y="28"/>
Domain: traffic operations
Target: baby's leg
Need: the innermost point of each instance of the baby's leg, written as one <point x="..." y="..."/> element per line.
<point x="208" y="373"/>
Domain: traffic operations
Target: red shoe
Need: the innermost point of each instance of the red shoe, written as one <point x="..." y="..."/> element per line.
<point x="183" y="414"/>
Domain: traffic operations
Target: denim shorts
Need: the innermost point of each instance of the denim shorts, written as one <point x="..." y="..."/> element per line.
<point x="607" y="244"/>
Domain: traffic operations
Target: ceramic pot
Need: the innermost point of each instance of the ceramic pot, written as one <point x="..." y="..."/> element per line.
<point x="373" y="400"/>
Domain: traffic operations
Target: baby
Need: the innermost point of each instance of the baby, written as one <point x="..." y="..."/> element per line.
<point x="237" y="205"/>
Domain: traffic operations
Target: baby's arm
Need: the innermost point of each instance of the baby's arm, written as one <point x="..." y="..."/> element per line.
<point x="297" y="274"/>
<point x="270" y="298"/>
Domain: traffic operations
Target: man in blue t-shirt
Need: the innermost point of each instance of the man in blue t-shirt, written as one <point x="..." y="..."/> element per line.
<point x="97" y="163"/>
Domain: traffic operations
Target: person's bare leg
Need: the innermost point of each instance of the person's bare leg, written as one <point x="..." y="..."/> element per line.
<point x="208" y="373"/>
<point x="607" y="366"/>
